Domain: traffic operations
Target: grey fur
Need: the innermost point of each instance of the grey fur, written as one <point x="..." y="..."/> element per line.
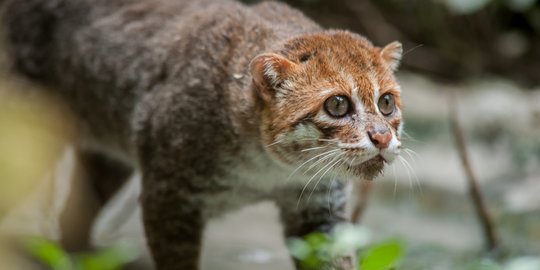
<point x="165" y="84"/>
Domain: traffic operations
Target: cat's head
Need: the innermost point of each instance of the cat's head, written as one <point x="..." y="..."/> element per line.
<point x="330" y="103"/>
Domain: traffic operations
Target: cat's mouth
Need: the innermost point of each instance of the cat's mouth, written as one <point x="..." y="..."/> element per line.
<point x="379" y="158"/>
<point x="369" y="169"/>
<point x="376" y="158"/>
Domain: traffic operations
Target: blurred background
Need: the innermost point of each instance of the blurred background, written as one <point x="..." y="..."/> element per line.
<point x="484" y="53"/>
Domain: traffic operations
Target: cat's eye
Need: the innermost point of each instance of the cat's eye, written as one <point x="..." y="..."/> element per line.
<point x="337" y="106"/>
<point x="386" y="104"/>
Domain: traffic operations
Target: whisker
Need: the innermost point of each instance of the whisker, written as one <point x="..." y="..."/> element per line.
<point x="395" y="182"/>
<point x="315" y="164"/>
<point x="328" y="140"/>
<point x="307" y="161"/>
<point x="354" y="159"/>
<point x="329" y="196"/>
<point x="410" y="155"/>
<point x="325" y="172"/>
<point x="409" y="137"/>
<point x="314" y="148"/>
<point x="305" y="139"/>
<point x="276" y="142"/>
<point x="412" y="49"/>
<point x="310" y="179"/>
<point x="408" y="173"/>
<point x="409" y="150"/>
<point x="318" y="139"/>
<point x="415" y="176"/>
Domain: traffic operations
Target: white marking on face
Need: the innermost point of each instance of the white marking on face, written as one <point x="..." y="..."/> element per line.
<point x="364" y="151"/>
<point x="359" y="106"/>
<point x="326" y="91"/>
<point x="376" y="88"/>
<point x="400" y="128"/>
<point x="323" y="117"/>
<point x="393" y="149"/>
<point x="303" y="132"/>
<point x="363" y="143"/>
<point x="349" y="79"/>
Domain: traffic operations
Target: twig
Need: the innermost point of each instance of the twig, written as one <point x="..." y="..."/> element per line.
<point x="488" y="228"/>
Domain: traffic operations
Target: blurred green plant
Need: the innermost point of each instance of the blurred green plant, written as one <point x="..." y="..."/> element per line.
<point x="317" y="249"/>
<point x="52" y="256"/>
<point x="382" y="256"/>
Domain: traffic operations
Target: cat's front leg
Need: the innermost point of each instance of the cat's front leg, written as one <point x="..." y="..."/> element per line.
<point x="174" y="226"/>
<point x="319" y="211"/>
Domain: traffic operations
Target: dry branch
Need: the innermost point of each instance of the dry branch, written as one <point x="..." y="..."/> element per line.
<point x="488" y="227"/>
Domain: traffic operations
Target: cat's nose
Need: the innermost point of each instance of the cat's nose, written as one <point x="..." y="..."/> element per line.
<point x="380" y="138"/>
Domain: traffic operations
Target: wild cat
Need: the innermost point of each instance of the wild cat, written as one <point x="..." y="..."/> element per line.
<point x="218" y="104"/>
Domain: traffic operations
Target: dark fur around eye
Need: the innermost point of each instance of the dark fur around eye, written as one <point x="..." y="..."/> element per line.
<point x="328" y="132"/>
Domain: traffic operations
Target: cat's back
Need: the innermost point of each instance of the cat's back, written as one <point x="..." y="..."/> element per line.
<point x="101" y="56"/>
<point x="104" y="56"/>
<point x="48" y="38"/>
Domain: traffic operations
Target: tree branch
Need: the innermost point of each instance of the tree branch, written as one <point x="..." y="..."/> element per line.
<point x="488" y="228"/>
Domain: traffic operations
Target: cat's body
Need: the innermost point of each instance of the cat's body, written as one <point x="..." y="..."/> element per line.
<point x="217" y="103"/>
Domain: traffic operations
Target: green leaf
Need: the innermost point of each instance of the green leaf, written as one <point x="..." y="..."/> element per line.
<point x="299" y="249"/>
<point x="107" y="259"/>
<point x="382" y="256"/>
<point x="312" y="262"/>
<point x="313" y="251"/>
<point x="317" y="240"/>
<point x="48" y="253"/>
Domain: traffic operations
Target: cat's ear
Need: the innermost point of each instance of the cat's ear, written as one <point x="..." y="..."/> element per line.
<point x="268" y="71"/>
<point x="391" y="54"/>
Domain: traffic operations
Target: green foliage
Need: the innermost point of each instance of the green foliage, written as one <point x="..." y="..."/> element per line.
<point x="48" y="253"/>
<point x="54" y="257"/>
<point x="317" y="250"/>
<point x="381" y="256"/>
<point x="313" y="251"/>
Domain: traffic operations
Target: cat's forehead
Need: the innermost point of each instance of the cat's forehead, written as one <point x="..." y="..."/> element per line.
<point x="332" y="45"/>
<point x="341" y="59"/>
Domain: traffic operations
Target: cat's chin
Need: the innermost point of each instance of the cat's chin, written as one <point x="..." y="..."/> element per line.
<point x="368" y="170"/>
